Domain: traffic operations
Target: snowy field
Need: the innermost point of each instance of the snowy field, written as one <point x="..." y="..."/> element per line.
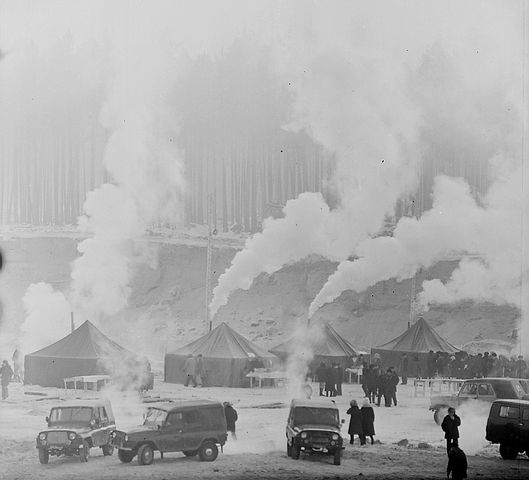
<point x="260" y="451"/>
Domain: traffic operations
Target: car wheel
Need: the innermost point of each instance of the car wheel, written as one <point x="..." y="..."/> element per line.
<point x="337" y="457"/>
<point x="108" y="450"/>
<point x="208" y="452"/>
<point x="84" y="452"/>
<point x="508" y="451"/>
<point x="296" y="450"/>
<point x="44" y="456"/>
<point x="190" y="453"/>
<point x="124" y="456"/>
<point x="440" y="414"/>
<point x="145" y="455"/>
<point x="289" y="449"/>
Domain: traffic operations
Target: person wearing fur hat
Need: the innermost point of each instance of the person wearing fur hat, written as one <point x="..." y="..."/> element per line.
<point x="355" y="423"/>
<point x="6" y="373"/>
<point x="368" y="420"/>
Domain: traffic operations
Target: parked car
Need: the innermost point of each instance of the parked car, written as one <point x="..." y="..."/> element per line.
<point x="76" y="427"/>
<point x="314" y="426"/>
<point x="477" y="389"/>
<point x="192" y="427"/>
<point x="508" y="425"/>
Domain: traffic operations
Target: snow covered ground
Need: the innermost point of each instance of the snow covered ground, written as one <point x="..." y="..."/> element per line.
<point x="260" y="451"/>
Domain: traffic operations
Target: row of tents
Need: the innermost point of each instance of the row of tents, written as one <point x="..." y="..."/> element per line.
<point x="227" y="355"/>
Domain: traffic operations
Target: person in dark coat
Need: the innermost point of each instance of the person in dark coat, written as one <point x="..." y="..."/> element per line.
<point x="381" y="381"/>
<point x="404" y="365"/>
<point x="457" y="464"/>
<point x="450" y="426"/>
<point x="368" y="420"/>
<point x="366" y="373"/>
<point x="339" y="379"/>
<point x="321" y="373"/>
<point x="6" y="372"/>
<point x="330" y="382"/>
<point x="372" y="383"/>
<point x="430" y="364"/>
<point x="355" y="423"/>
<point x="231" y="418"/>
<point x="390" y="392"/>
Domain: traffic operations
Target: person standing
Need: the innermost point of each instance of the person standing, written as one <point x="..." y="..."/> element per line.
<point x="18" y="362"/>
<point x="330" y="382"/>
<point x="6" y="372"/>
<point x="457" y="464"/>
<point x="355" y="423"/>
<point x="190" y="370"/>
<point x="381" y="386"/>
<point x="368" y="420"/>
<point x="321" y="372"/>
<point x="450" y="426"/>
<point x="201" y="374"/>
<point x="404" y="364"/>
<point x="390" y="394"/>
<point x="231" y="418"/>
<point x="339" y="378"/>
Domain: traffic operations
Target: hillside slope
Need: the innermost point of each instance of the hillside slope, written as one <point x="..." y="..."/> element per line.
<point x="167" y="307"/>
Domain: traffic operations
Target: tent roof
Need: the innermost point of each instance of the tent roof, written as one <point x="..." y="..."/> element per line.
<point x="223" y="342"/>
<point x="86" y="342"/>
<point x="420" y="337"/>
<point x="332" y="344"/>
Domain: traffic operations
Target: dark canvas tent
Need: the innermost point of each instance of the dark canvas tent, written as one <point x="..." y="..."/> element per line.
<point x="226" y="356"/>
<point x="85" y="351"/>
<point x="330" y="348"/>
<point x="417" y="341"/>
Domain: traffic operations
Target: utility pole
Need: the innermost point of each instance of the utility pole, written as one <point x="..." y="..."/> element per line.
<point x="209" y="210"/>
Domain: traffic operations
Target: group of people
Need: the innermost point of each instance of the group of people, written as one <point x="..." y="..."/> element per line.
<point x="194" y="371"/>
<point x="463" y="365"/>
<point x="330" y="379"/>
<point x="361" y="422"/>
<point x="377" y="384"/>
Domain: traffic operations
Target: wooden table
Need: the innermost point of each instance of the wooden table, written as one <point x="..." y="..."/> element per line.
<point x="87" y="382"/>
<point x="263" y="375"/>
<point x="358" y="371"/>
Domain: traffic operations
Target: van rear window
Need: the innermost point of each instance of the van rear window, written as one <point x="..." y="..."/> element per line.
<point x="509" y="411"/>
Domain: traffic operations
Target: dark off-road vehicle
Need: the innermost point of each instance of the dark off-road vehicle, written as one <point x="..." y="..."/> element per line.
<point x="478" y="389"/>
<point x="192" y="427"/>
<point x="314" y="426"/>
<point x="508" y="425"/>
<point x="76" y="427"/>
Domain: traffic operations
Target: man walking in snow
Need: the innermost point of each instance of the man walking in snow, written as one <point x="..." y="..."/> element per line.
<point x="6" y="373"/>
<point x="450" y="426"/>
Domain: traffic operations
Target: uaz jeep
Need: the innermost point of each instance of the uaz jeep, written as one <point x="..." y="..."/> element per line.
<point x="191" y="427"/>
<point x="314" y="426"/>
<point x="75" y="427"/>
<point x="508" y="425"/>
<point x="477" y="389"/>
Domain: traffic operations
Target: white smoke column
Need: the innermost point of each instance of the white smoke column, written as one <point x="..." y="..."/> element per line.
<point x="144" y="163"/>
<point x="47" y="317"/>
<point x="300" y="356"/>
<point x="354" y="104"/>
<point x="472" y="430"/>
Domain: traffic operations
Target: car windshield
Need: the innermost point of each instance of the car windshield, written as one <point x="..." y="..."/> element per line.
<point x="316" y="416"/>
<point x="71" y="414"/>
<point x="155" y="417"/>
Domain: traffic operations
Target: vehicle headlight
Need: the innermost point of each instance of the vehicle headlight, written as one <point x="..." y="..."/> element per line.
<point x="72" y="436"/>
<point x="335" y="436"/>
<point x="304" y="435"/>
<point x="42" y="436"/>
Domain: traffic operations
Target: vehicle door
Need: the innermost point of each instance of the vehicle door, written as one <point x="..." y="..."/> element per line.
<point x="104" y="425"/>
<point x="511" y="417"/>
<point x="195" y="428"/>
<point x="97" y="432"/>
<point x="171" y="436"/>
<point x="524" y="426"/>
<point x="485" y="392"/>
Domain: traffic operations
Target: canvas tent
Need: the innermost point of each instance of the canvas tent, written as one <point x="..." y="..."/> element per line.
<point x="226" y="354"/>
<point x="85" y="351"/>
<point x="416" y="341"/>
<point x="330" y="347"/>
